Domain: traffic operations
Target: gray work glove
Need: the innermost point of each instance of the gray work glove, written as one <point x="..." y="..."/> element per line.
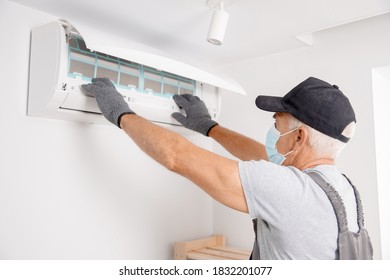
<point x="198" y="117"/>
<point x="110" y="101"/>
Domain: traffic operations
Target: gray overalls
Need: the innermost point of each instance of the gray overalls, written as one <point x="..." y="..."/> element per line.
<point x="351" y="245"/>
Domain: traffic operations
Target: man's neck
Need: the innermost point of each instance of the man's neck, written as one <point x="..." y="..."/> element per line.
<point x="314" y="162"/>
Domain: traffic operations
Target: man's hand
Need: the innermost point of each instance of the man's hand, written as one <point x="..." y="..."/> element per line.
<point x="109" y="100"/>
<point x="198" y="117"/>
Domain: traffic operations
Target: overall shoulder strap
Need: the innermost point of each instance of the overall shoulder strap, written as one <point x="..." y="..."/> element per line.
<point x="359" y="205"/>
<point x="335" y="199"/>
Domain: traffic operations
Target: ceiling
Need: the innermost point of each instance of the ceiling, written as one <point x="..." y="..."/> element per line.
<point x="179" y="27"/>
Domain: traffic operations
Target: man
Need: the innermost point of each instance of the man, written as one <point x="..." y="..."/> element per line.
<point x="293" y="216"/>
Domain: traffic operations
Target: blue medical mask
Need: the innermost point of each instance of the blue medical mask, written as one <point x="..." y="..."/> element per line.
<point x="273" y="136"/>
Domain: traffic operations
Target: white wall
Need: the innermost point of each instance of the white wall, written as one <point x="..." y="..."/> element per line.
<point x="73" y="191"/>
<point x="343" y="56"/>
<point x="381" y="98"/>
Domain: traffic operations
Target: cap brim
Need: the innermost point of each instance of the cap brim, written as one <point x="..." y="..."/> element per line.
<point x="270" y="103"/>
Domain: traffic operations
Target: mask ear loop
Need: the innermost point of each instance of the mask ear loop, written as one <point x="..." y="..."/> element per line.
<point x="288" y="153"/>
<point x="286" y="134"/>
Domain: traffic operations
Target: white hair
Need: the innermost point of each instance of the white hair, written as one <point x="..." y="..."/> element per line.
<point x="324" y="145"/>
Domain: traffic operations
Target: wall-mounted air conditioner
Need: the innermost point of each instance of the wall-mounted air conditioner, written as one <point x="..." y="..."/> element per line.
<point x="62" y="58"/>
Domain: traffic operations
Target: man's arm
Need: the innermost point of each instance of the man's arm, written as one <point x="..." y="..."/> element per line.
<point x="216" y="175"/>
<point x="237" y="144"/>
<point x="198" y="119"/>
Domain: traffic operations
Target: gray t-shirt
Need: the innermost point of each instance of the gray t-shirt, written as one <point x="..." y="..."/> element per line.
<point x="295" y="217"/>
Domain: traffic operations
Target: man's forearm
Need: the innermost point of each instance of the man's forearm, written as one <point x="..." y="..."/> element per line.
<point x="155" y="141"/>
<point x="237" y="144"/>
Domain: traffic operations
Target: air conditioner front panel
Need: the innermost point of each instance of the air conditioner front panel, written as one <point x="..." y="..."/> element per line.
<point x="145" y="55"/>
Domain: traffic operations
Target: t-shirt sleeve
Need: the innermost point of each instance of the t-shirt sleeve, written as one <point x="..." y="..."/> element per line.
<point x="271" y="191"/>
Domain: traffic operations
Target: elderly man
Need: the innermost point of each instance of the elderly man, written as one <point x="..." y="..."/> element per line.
<point x="293" y="217"/>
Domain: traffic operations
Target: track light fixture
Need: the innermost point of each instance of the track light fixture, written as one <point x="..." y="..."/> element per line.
<point x="218" y="23"/>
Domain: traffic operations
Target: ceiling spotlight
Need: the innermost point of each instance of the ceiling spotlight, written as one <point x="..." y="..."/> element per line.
<point x="218" y="23"/>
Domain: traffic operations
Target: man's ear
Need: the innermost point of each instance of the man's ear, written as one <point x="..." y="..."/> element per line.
<point x="301" y="137"/>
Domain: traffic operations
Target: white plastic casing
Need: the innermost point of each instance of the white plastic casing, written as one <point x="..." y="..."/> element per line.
<point x="53" y="93"/>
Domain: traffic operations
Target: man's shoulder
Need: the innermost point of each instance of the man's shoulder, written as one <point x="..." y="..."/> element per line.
<point x="265" y="167"/>
<point x="264" y="174"/>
